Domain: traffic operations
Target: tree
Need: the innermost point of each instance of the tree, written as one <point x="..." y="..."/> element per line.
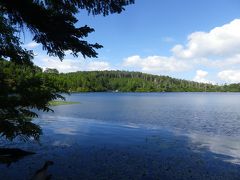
<point x="44" y="17"/>
<point x="23" y="86"/>
<point x="51" y="71"/>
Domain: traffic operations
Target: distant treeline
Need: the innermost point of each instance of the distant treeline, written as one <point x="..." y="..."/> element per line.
<point x="124" y="81"/>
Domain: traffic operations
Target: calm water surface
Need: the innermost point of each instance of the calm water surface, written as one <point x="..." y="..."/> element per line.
<point x="137" y="136"/>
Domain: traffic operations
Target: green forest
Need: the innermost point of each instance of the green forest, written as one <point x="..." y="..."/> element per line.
<point x="124" y="81"/>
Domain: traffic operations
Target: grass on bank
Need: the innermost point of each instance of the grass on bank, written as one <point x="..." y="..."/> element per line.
<point x="58" y="103"/>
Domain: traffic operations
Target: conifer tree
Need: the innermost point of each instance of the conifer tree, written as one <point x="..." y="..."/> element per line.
<point x="23" y="86"/>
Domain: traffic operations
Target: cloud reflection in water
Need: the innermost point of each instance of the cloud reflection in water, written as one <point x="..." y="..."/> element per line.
<point x="219" y="145"/>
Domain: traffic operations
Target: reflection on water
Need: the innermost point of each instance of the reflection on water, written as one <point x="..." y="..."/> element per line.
<point x="137" y="136"/>
<point x="66" y="130"/>
<point x="100" y="150"/>
<point x="217" y="144"/>
<point x="222" y="145"/>
<point x="209" y="113"/>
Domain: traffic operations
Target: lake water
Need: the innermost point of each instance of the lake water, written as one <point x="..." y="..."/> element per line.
<point x="136" y="136"/>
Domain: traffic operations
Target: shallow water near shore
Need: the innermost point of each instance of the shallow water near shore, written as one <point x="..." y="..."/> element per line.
<point x="136" y="136"/>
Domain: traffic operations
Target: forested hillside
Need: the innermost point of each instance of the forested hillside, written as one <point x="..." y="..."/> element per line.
<point x="123" y="81"/>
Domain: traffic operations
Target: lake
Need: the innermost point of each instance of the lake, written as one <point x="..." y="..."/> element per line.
<point x="136" y="136"/>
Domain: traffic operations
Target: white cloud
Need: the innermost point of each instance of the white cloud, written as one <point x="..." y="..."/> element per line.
<point x="70" y="65"/>
<point x="98" y="65"/>
<point x="201" y="74"/>
<point x="132" y="61"/>
<point x="218" y="49"/>
<point x="230" y="76"/>
<point x="31" y="45"/>
<point x="219" y="63"/>
<point x="156" y="64"/>
<point x="67" y="65"/>
<point x="220" y="41"/>
<point x="201" y="77"/>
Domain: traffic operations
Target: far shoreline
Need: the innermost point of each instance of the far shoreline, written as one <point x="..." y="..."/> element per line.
<point x="59" y="103"/>
<point x="120" y="92"/>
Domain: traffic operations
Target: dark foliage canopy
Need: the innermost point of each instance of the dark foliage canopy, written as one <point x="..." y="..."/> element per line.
<point x="23" y="86"/>
<point x="52" y="22"/>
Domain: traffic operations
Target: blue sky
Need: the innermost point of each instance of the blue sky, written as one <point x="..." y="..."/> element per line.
<point x="194" y="40"/>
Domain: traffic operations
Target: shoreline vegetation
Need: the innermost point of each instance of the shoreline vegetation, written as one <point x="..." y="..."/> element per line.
<point x="58" y="103"/>
<point x="125" y="81"/>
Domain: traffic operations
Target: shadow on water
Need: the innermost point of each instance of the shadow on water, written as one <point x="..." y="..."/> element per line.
<point x="11" y="155"/>
<point x="20" y="129"/>
<point x="42" y="173"/>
